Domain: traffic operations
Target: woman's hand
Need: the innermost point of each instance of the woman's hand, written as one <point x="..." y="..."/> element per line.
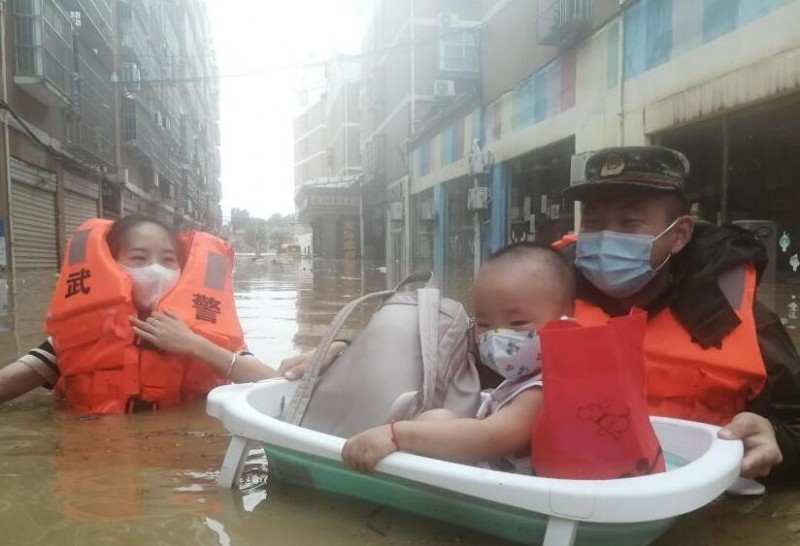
<point x="364" y="450"/>
<point x="294" y="367"/>
<point x="167" y="332"/>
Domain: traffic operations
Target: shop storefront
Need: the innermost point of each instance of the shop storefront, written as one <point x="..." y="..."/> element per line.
<point x="536" y="211"/>
<point x="333" y="214"/>
<point x="423" y="227"/>
<point x="459" y="240"/>
<point x="744" y="167"/>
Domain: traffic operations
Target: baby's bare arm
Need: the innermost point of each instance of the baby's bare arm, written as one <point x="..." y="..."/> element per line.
<point x="504" y="433"/>
<point x="436" y="415"/>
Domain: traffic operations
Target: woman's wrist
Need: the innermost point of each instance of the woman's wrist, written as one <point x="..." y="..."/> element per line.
<point x="197" y="347"/>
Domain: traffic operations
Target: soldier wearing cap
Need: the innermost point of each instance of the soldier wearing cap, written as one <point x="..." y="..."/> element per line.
<point x="714" y="354"/>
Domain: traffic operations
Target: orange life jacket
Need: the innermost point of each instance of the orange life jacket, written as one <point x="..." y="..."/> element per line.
<point x="103" y="367"/>
<point x="689" y="382"/>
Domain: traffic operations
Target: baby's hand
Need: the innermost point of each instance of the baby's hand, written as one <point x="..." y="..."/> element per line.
<point x="363" y="451"/>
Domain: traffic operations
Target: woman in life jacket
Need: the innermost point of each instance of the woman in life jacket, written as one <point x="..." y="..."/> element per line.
<point x="166" y="361"/>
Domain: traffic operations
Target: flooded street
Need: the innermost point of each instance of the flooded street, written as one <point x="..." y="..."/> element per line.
<point x="150" y="478"/>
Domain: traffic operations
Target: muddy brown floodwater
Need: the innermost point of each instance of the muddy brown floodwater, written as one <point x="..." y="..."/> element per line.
<point x="150" y="478"/>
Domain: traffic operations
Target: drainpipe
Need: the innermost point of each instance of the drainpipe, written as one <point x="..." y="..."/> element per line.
<point x="413" y="68"/>
<point x="412" y="130"/>
<point x="476" y="241"/>
<point x="723" y="210"/>
<point x="406" y="226"/>
<point x="621" y="74"/>
<point x="10" y="261"/>
<point x="346" y="130"/>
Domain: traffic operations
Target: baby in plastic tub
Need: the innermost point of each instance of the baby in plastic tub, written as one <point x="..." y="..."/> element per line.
<point x="517" y="291"/>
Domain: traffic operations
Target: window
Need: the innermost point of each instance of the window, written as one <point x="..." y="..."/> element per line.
<point x="459" y="51"/>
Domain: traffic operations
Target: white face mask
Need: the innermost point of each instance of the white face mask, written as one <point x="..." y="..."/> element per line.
<point x="510" y="353"/>
<point x="151" y="283"/>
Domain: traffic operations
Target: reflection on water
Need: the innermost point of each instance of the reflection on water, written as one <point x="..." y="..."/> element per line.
<point x="149" y="479"/>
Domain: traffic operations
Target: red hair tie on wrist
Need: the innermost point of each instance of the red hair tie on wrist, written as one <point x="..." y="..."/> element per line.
<point x="394" y="434"/>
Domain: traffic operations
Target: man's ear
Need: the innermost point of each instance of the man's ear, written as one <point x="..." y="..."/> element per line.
<point x="682" y="233"/>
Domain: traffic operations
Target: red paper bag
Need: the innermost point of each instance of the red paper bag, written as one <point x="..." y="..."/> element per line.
<point x="593" y="423"/>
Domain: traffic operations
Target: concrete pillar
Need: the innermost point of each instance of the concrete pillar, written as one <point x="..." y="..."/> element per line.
<point x="440" y="231"/>
<point x="495" y="231"/>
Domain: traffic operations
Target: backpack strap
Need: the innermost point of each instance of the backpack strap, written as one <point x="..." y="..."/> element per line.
<point x="417" y="277"/>
<point x="296" y="409"/>
<point x="428" y="300"/>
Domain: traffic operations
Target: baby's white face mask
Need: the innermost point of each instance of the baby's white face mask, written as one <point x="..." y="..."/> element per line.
<point x="510" y="353"/>
<point x="151" y="283"/>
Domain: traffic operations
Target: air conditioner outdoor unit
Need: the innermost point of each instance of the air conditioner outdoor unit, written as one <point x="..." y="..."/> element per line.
<point x="478" y="199"/>
<point x="479" y="162"/>
<point x="447" y="19"/>
<point x="396" y="211"/>
<point x="444" y="88"/>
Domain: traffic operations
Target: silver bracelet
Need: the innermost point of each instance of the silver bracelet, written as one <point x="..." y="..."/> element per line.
<point x="230" y="366"/>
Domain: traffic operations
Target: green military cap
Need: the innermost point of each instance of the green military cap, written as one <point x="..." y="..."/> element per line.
<point x="648" y="167"/>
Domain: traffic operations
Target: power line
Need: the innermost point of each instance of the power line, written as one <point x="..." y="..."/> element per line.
<point x="401" y="47"/>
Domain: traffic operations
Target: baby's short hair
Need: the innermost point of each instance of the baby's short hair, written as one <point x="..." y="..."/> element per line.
<point x="546" y="256"/>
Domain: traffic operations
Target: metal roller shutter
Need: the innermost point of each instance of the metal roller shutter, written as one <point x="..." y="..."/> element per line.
<point x="34" y="227"/>
<point x="77" y="209"/>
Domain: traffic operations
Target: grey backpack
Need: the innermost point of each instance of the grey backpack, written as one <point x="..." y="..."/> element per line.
<point x="412" y="356"/>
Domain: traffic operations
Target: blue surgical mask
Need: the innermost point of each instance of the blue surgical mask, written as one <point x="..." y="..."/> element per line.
<point x="618" y="264"/>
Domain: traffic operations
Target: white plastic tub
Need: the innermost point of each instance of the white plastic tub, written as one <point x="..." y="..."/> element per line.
<point x="527" y="509"/>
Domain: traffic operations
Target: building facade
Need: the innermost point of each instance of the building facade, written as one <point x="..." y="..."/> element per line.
<point x="328" y="166"/>
<point x="718" y="80"/>
<point x="111" y="107"/>
<point x="418" y="56"/>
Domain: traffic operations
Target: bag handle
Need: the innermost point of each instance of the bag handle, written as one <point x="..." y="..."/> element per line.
<point x="296" y="409"/>
<point x="428" y="301"/>
<point x="418" y="277"/>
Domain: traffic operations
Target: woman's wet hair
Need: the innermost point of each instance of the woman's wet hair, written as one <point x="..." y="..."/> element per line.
<point x="118" y="230"/>
<point x="562" y="271"/>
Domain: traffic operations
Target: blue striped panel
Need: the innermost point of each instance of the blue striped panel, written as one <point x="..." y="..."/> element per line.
<point x="659" y="32"/>
<point x="719" y="17"/>
<point x="635" y="40"/>
<point x="539" y="96"/>
<point x="687" y="27"/>
<point x="522" y="104"/>
<point x="750" y="10"/>
<point x="440" y="231"/>
<point x="553" y="80"/>
<point x="612" y="56"/>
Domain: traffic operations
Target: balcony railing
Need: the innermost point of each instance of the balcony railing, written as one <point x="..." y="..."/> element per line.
<point x="94" y="18"/>
<point x="95" y="121"/>
<point x="139" y="132"/>
<point x="374" y="158"/>
<point x="44" y="50"/>
<point x="173" y="169"/>
<point x="133" y="36"/>
<point x="563" y="22"/>
<point x="459" y="51"/>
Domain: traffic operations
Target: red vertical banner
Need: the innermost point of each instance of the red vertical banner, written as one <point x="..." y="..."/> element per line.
<point x="568" y="77"/>
<point x="594" y="423"/>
